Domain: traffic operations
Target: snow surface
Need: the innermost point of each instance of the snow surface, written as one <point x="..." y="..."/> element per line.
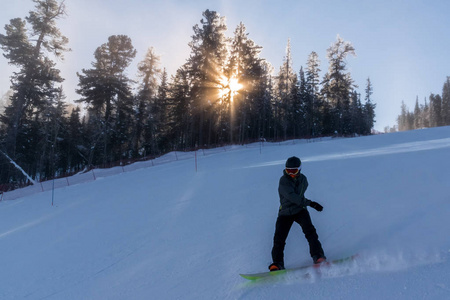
<point x="169" y="232"/>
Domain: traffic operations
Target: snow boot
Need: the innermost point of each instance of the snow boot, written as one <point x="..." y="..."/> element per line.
<point x="276" y="267"/>
<point x="318" y="259"/>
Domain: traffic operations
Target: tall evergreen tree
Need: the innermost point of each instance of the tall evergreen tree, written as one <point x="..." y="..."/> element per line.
<point x="74" y="150"/>
<point x="426" y="114"/>
<point x="358" y="120"/>
<point x="435" y="110"/>
<point x="160" y="115"/>
<point x="30" y="45"/>
<point x="266" y="123"/>
<point x="445" y="110"/>
<point x="313" y="101"/>
<point x="303" y="109"/>
<point x="106" y="90"/>
<point x="149" y="71"/>
<point x="338" y="84"/>
<point x="417" y="115"/>
<point x="52" y="127"/>
<point x="246" y="71"/>
<point x="180" y="114"/>
<point x="286" y="93"/>
<point x="401" y="119"/>
<point x="209" y="53"/>
<point x="369" y="109"/>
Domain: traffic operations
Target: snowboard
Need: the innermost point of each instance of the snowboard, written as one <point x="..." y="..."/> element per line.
<point x="269" y="274"/>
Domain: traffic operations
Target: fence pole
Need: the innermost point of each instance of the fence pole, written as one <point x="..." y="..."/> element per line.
<point x="53" y="190"/>
<point x="195" y="161"/>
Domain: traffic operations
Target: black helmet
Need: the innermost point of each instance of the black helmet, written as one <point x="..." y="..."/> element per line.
<point x="293" y="162"/>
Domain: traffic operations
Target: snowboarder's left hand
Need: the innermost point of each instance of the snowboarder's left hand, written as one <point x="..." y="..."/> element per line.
<point x="316" y="206"/>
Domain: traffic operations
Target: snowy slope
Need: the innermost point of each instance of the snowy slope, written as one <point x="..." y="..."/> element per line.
<point x="168" y="232"/>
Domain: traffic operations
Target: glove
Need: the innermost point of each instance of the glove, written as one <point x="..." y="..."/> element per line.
<point x="316" y="206"/>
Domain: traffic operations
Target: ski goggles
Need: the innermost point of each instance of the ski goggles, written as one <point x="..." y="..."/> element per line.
<point x="293" y="171"/>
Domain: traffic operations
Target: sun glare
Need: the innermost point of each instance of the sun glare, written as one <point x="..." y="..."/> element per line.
<point x="234" y="85"/>
<point x="230" y="87"/>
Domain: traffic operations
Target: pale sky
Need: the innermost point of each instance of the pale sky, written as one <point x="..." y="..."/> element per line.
<point x="403" y="46"/>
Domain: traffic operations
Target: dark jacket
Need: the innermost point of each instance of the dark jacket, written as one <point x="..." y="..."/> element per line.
<point x="292" y="194"/>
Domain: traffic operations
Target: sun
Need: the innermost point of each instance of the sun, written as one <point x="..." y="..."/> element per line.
<point x="234" y="85"/>
<point x="229" y="87"/>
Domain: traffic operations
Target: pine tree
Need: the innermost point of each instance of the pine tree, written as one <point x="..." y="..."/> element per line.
<point x="361" y="118"/>
<point x="52" y="126"/>
<point x="29" y="45"/>
<point x="402" y="119"/>
<point x="180" y="114"/>
<point x="445" y="110"/>
<point x="435" y="110"/>
<point x="160" y="115"/>
<point x="426" y="114"/>
<point x="246" y="104"/>
<point x="303" y="119"/>
<point x="346" y="116"/>
<point x="75" y="151"/>
<point x="206" y="67"/>
<point x="149" y="71"/>
<point x="313" y="101"/>
<point x="338" y="84"/>
<point x="417" y="115"/>
<point x="369" y="109"/>
<point x="106" y="90"/>
<point x="285" y="93"/>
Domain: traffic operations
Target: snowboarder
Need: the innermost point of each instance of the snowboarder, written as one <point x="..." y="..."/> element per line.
<point x="293" y="203"/>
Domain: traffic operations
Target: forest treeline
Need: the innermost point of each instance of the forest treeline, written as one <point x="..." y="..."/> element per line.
<point x="432" y="113"/>
<point x="224" y="93"/>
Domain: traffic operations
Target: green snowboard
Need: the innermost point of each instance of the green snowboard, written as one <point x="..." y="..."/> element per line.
<point x="268" y="274"/>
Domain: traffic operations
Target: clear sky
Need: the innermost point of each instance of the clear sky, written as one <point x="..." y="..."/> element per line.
<point x="403" y="46"/>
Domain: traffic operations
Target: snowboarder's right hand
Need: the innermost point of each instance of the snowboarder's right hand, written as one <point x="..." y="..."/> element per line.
<point x="316" y="206"/>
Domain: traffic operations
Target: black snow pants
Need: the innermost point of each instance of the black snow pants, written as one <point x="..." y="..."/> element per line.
<point x="282" y="228"/>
